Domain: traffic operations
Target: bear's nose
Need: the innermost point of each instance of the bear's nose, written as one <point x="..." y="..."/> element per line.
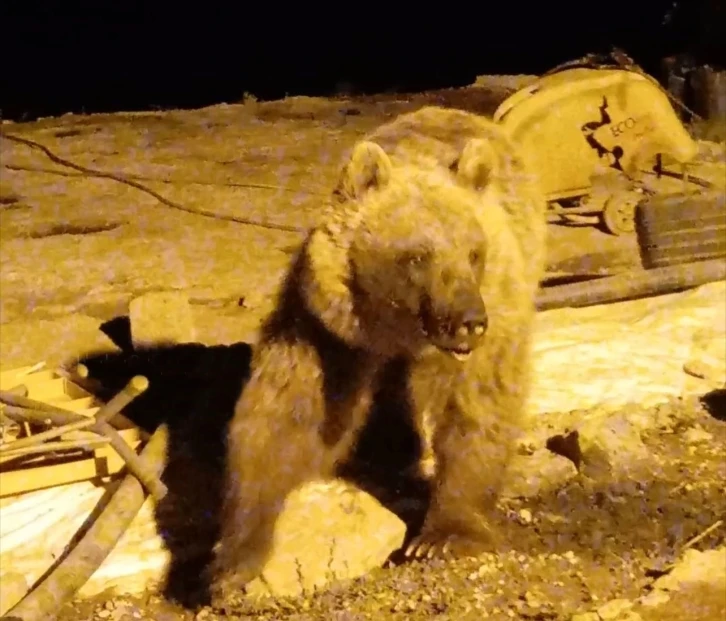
<point x="473" y="325"/>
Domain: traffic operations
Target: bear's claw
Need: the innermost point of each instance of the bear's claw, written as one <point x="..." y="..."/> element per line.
<point x="433" y="544"/>
<point x="426" y="546"/>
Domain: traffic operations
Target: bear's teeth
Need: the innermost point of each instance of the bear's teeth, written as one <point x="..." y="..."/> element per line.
<point x="461" y="356"/>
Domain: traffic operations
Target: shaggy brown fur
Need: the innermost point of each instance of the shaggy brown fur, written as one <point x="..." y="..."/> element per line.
<point x="433" y="254"/>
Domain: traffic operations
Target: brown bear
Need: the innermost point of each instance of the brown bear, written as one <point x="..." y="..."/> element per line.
<point x="433" y="253"/>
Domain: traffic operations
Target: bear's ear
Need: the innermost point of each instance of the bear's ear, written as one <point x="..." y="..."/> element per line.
<point x="369" y="167"/>
<point x="476" y="166"/>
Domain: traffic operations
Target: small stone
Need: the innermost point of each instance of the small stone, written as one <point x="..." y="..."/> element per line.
<point x="614" y="609"/>
<point x="658" y="597"/>
<point x="570" y="557"/>
<point x="485" y="570"/>
<point x="103" y="614"/>
<point x="696" y="435"/>
<point x="585" y="616"/>
<point x="532" y="599"/>
<point x="525" y="516"/>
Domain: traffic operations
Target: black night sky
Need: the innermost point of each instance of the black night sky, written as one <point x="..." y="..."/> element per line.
<point x="109" y="55"/>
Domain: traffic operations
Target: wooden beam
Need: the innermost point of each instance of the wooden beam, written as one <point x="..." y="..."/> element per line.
<point x="632" y="285"/>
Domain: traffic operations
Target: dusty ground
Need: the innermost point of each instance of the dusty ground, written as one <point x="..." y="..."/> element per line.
<point x="585" y="547"/>
<point x="76" y="249"/>
<point x="73" y="245"/>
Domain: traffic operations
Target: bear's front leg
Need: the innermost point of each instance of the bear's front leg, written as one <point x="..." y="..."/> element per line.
<point x="273" y="445"/>
<point x="473" y="444"/>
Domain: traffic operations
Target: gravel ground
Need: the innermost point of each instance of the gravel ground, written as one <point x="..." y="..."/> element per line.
<point x="587" y="548"/>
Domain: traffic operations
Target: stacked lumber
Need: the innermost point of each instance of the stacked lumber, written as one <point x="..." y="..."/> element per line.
<point x="39" y="517"/>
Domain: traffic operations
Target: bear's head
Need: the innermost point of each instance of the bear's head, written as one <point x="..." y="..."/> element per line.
<point x="416" y="249"/>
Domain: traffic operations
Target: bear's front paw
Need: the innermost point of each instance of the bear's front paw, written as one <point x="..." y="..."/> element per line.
<point x="435" y="545"/>
<point x="228" y="588"/>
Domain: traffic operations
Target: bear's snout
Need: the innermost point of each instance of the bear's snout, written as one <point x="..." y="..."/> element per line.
<point x="458" y="327"/>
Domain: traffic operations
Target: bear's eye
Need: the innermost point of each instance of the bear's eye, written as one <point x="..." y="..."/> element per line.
<point x="339" y="194"/>
<point x="475" y="257"/>
<point x="414" y="259"/>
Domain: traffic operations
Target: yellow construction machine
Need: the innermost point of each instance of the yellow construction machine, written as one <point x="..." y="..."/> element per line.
<point x="603" y="139"/>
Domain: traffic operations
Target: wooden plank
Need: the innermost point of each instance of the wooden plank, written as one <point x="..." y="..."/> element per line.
<point x="49" y="387"/>
<point x="42" y="385"/>
<point x="75" y="391"/>
<point x="32" y="479"/>
<point x="84" y="405"/>
<point x="37" y="379"/>
<point x="42" y="477"/>
<point x="12" y="377"/>
<point x="105" y="462"/>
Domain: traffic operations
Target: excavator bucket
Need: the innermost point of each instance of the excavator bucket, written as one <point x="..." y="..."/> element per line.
<point x="579" y="122"/>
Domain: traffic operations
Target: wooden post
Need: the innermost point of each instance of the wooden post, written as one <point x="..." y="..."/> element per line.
<point x="709" y="93"/>
<point x="675" y="79"/>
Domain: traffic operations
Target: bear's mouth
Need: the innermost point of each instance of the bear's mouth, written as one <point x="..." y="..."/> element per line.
<point x="431" y="328"/>
<point x="437" y="331"/>
<point x="460" y="352"/>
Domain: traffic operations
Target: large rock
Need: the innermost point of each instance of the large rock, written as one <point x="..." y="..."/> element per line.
<point x="327" y="531"/>
<point x="533" y="475"/>
<point x="612" y="448"/>
<point x="695" y="566"/>
<point x="161" y="318"/>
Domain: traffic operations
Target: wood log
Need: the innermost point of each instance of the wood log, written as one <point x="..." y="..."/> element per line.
<point x="78" y="565"/>
<point x="47" y="447"/>
<point x="55" y="417"/>
<point x="632" y="285"/>
<point x="54" y="412"/>
<point x="50" y="434"/>
<point x="133" y="462"/>
<point x="120" y="400"/>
